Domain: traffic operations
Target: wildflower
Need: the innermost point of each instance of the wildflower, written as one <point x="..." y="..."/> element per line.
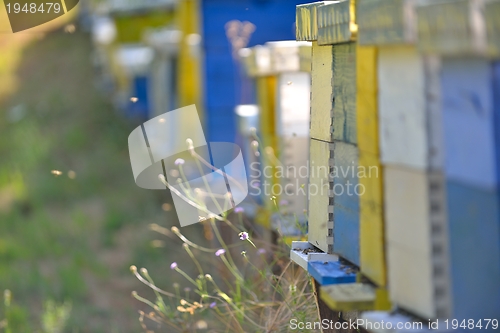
<point x="190" y="144"/>
<point x="261" y="251"/>
<point x="187" y="289"/>
<point x="179" y="161"/>
<point x="173" y="265"/>
<point x="133" y="99"/>
<point x="213" y="305"/>
<point x="70" y="28"/>
<point x="244" y="236"/>
<point x="201" y="325"/>
<point x="238" y="210"/>
<point x="56" y="172"/>
<point x="220" y="252"/>
<point x="244" y="253"/>
<point x="283" y="202"/>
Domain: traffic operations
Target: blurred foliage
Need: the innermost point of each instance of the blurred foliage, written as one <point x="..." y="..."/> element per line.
<point x="130" y="28"/>
<point x="72" y="219"/>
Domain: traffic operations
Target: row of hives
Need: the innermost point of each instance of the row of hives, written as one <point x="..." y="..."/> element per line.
<point x="159" y="56"/>
<point x="405" y="112"/>
<point x="173" y="53"/>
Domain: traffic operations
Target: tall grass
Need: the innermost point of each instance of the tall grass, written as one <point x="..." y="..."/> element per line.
<point x="250" y="286"/>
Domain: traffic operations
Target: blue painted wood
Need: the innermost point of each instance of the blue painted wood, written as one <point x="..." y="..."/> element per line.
<point x="140" y="109"/>
<point x="346" y="202"/>
<point x="496" y="113"/>
<point x="474" y="235"/>
<point x="274" y="20"/>
<point x="468" y="122"/>
<point x="330" y="272"/>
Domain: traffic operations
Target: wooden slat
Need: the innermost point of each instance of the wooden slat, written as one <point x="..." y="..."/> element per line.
<point x="496" y="113"/>
<point x="303" y="252"/>
<point x="344" y="93"/>
<point x="467" y="104"/>
<point x="336" y="22"/>
<point x="366" y="99"/>
<point x="321" y="92"/>
<point x="189" y="83"/>
<point x="408" y="237"/>
<point x="320" y="220"/>
<point x="402" y="109"/>
<point x="383" y="22"/>
<point x="475" y="251"/>
<point x="434" y="114"/>
<point x="306" y="27"/>
<point x="417" y="241"/>
<point x="331" y="272"/>
<point x="451" y="27"/>
<point x="371" y="229"/>
<point x="346" y="202"/>
<point x="491" y="15"/>
<point x="348" y="297"/>
<point x="407" y="211"/>
<point x="266" y="92"/>
<point x="410" y="280"/>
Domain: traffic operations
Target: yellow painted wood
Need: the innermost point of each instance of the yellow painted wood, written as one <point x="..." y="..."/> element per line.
<point x="349" y="296"/>
<point x="131" y="27"/>
<point x="382" y="301"/>
<point x="355" y="297"/>
<point x="189" y="63"/>
<point x="366" y="99"/>
<point x="372" y="253"/>
<point x="266" y="99"/>
<point x="371" y="224"/>
<point x="321" y="92"/>
<point x="337" y="22"/>
<point x="306" y="28"/>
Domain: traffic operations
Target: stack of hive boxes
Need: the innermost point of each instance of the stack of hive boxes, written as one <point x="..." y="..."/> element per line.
<point x="413" y="106"/>
<point x="467" y="126"/>
<point x="413" y="182"/>
<point x="345" y="206"/>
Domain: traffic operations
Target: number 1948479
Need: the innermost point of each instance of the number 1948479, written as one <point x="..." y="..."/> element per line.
<point x="33" y="8"/>
<point x="471" y="324"/>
